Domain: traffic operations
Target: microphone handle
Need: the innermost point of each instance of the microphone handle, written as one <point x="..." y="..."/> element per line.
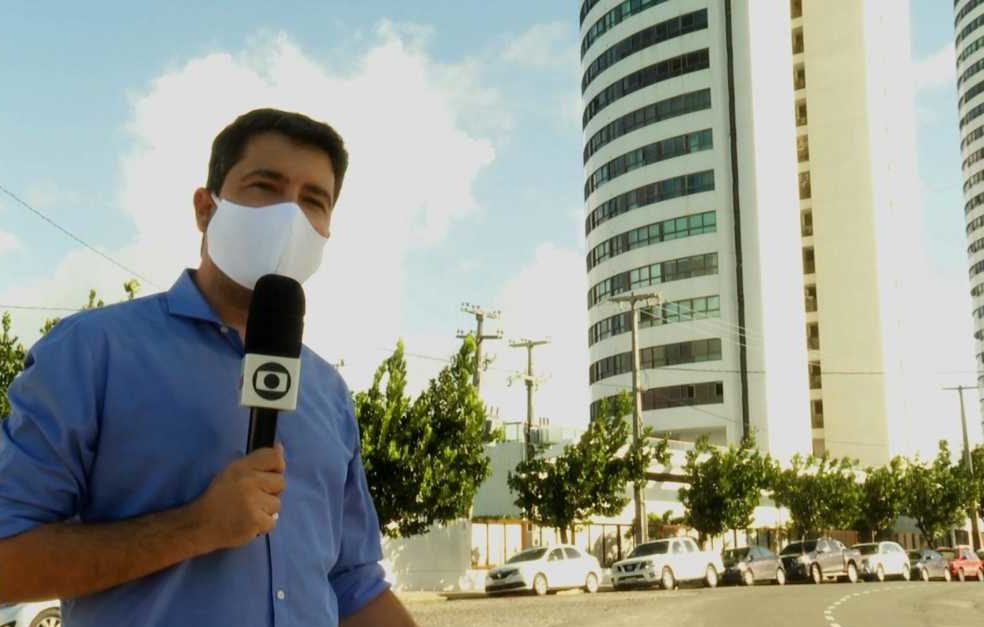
<point x="262" y="428"/>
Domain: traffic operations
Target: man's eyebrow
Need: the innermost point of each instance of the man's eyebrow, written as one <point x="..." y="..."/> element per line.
<point x="266" y="173"/>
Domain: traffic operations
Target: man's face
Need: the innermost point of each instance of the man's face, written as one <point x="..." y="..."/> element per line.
<point x="275" y="169"/>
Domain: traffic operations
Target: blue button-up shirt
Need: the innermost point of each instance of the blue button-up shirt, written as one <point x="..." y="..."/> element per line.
<point x="134" y="408"/>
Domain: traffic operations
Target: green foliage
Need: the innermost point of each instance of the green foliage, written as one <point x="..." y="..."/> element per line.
<point x="977" y="459"/>
<point x="12" y="354"/>
<point x="424" y="460"/>
<point x="725" y="486"/>
<point x="937" y="495"/>
<point x="820" y="493"/>
<point x="590" y="477"/>
<point x="882" y="497"/>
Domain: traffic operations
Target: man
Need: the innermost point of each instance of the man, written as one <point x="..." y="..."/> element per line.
<point x="125" y="489"/>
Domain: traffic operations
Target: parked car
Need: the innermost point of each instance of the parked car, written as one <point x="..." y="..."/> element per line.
<point x="819" y="560"/>
<point x="883" y="559"/>
<point x="752" y="564"/>
<point x="964" y="563"/>
<point x="546" y="569"/>
<point x="927" y="565"/>
<point x="41" y="614"/>
<point x="667" y="562"/>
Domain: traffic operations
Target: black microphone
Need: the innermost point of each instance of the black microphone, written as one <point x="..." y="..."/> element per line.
<point x="272" y="365"/>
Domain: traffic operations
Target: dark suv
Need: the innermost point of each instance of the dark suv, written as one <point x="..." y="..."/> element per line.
<point x="819" y="560"/>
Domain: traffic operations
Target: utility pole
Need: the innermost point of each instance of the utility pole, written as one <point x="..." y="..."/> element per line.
<point x="531" y="380"/>
<point x="480" y="316"/>
<point x="968" y="458"/>
<point x="634" y="300"/>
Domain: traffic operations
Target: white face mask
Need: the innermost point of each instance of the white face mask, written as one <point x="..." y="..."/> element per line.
<point x="248" y="242"/>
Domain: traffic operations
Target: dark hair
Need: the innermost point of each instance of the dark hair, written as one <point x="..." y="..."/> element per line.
<point x="228" y="146"/>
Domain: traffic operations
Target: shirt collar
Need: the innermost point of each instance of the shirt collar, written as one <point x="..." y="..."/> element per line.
<point x="185" y="299"/>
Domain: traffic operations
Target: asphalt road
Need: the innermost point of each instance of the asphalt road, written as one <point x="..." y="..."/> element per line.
<point x="889" y="604"/>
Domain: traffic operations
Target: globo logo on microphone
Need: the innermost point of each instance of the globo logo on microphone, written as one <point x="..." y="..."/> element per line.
<point x="270" y="381"/>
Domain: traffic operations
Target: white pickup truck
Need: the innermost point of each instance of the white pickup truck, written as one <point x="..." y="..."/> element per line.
<point x="667" y="562"/>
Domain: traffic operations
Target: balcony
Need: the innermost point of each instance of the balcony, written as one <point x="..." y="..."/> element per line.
<point x="815" y="383"/>
<point x="809" y="263"/>
<point x="813" y="343"/>
<point x="798" y="41"/>
<point x="805" y="187"/>
<point x="796" y="8"/>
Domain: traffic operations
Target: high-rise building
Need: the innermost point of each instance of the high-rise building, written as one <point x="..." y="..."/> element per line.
<point x="969" y="48"/>
<point x="738" y="160"/>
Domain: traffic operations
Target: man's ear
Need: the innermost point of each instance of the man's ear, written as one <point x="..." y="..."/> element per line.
<point x="204" y="208"/>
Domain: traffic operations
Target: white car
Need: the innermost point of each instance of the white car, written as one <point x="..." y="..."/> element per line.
<point x="667" y="562"/>
<point x="545" y="569"/>
<point x="41" y="614"/>
<point x="883" y="559"/>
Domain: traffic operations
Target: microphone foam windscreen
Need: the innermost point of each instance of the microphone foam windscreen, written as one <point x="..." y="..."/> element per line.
<point x="276" y="317"/>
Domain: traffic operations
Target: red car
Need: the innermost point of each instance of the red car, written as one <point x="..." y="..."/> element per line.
<point x="963" y="563"/>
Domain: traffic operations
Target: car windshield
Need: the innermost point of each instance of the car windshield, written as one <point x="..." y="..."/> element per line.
<point x="915" y="555"/>
<point x="733" y="556"/>
<point x="798" y="548"/>
<point x="527" y="556"/>
<point x="650" y="548"/>
<point x="948" y="555"/>
<point x="866" y="549"/>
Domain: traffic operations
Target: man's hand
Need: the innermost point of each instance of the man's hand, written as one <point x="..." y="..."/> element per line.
<point x="243" y="501"/>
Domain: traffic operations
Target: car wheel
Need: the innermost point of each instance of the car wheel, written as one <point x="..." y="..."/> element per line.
<point x="591" y="583"/>
<point x="816" y="575"/>
<point x="540" y="586"/>
<point x="879" y="573"/>
<point x="906" y="573"/>
<point x="48" y="618"/>
<point x="852" y="573"/>
<point x="924" y="574"/>
<point x="780" y="577"/>
<point x="947" y="576"/>
<point x="667" y="579"/>
<point x="711" y="577"/>
<point x="961" y="576"/>
<point x="748" y="578"/>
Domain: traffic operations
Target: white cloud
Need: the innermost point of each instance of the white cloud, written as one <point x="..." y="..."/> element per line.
<point x="47" y="195"/>
<point x="544" y="300"/>
<point x="410" y="179"/>
<point x="8" y="242"/>
<point x="550" y="47"/>
<point x="936" y="70"/>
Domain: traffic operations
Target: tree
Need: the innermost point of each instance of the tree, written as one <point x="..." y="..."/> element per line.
<point x="725" y="487"/>
<point x="590" y="476"/>
<point x="435" y="445"/>
<point x="882" y="497"/>
<point x="820" y="492"/>
<point x="937" y="495"/>
<point x="977" y="459"/>
<point x="12" y="354"/>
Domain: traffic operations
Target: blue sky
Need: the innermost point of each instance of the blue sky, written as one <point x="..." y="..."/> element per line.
<point x="109" y="108"/>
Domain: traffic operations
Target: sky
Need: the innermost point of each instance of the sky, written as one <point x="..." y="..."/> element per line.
<point x="462" y="121"/>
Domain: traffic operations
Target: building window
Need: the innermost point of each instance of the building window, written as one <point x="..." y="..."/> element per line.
<point x="647" y="155"/>
<point x="655" y="73"/>
<point x="811" y="298"/>
<point x="971" y="137"/>
<point x="809" y="264"/>
<point x="695" y="351"/>
<point x="970" y="49"/>
<point x="650" y="114"/>
<point x="686" y="226"/>
<point x="649" y="194"/>
<point x="798" y="41"/>
<point x="816" y="414"/>
<point x="647" y="37"/>
<point x="606" y="22"/>
<point x="705" y="393"/>
<point x="796" y="9"/>
<point x="805" y="189"/>
<point x="816" y="382"/>
<point x="818" y="447"/>
<point x="801" y="116"/>
<point x="802" y="146"/>
<point x="654" y="274"/>
<point x="806" y="223"/>
<point x="813" y="336"/>
<point x="668" y="313"/>
<point x="799" y="77"/>
<point x="971" y="26"/>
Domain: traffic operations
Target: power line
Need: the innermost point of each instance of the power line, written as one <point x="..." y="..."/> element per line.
<point x="75" y="237"/>
<point x="38" y="308"/>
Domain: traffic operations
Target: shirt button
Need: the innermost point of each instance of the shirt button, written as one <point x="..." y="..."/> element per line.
<point x="281" y="595"/>
<point x="224" y="329"/>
